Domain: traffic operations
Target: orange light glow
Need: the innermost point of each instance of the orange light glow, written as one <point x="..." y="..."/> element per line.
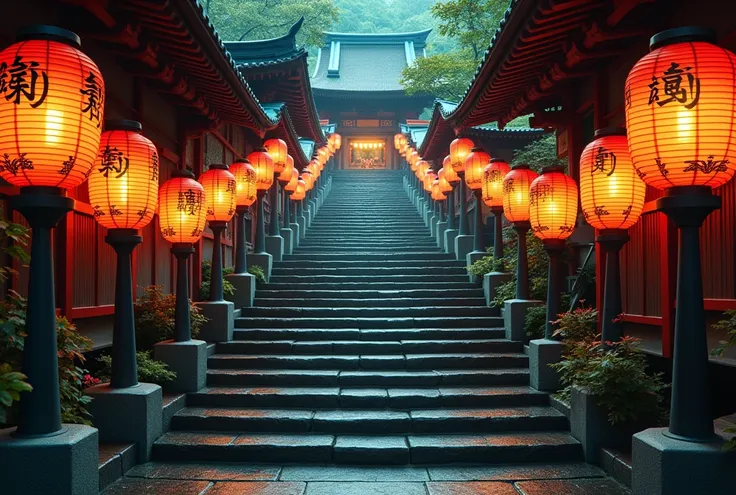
<point x="683" y="135"/>
<point x="493" y="176"/>
<point x="516" y="186"/>
<point x="553" y="204"/>
<point x="437" y="193"/>
<point x="123" y="185"/>
<point x="300" y="191"/>
<point x="338" y="140"/>
<point x="285" y="176"/>
<point x="460" y="148"/>
<point x="245" y="183"/>
<point x="611" y="193"/>
<point x="51" y="110"/>
<point x="219" y="192"/>
<point x="278" y="150"/>
<point x="450" y="174"/>
<point x="429" y="178"/>
<point x="291" y="185"/>
<point x="181" y="208"/>
<point x="445" y="186"/>
<point x="475" y="164"/>
<point x="262" y="162"/>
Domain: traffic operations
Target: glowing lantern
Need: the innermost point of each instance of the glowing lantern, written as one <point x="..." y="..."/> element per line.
<point x="285" y="176"/>
<point x="181" y="208"/>
<point x="323" y="155"/>
<point x="245" y="183"/>
<point x="422" y="169"/>
<point x="553" y="204"/>
<point x="437" y="193"/>
<point x="679" y="111"/>
<point x="450" y="174"/>
<point x="475" y="164"/>
<point x="291" y="185"/>
<point x="460" y="148"/>
<point x="219" y="192"/>
<point x="611" y="193"/>
<point x="338" y="140"/>
<point x="123" y="185"/>
<point x="262" y="162"/>
<point x="493" y="176"/>
<point x="300" y="191"/>
<point x="308" y="179"/>
<point x="516" y="185"/>
<point x="278" y="151"/>
<point x="429" y="178"/>
<point x="445" y="186"/>
<point x="414" y="158"/>
<point x="399" y="140"/>
<point x="52" y="110"/>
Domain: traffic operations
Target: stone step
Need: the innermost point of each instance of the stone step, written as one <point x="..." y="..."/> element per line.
<point x="424" y="256"/>
<point x="361" y="249"/>
<point x="443" y="361"/>
<point x="369" y="335"/>
<point x="367" y="398"/>
<point x="402" y="302"/>
<point x="370" y="323"/>
<point x="357" y="421"/>
<point x="374" y="295"/>
<point x="366" y="379"/>
<point x="376" y="347"/>
<point x="363" y="263"/>
<point x="365" y="312"/>
<point x="280" y="279"/>
<point x="382" y="286"/>
<point x="375" y="271"/>
<point x="321" y="448"/>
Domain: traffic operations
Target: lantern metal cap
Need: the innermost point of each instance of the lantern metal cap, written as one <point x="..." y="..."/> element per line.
<point x="123" y="125"/>
<point x="496" y="160"/>
<point x="243" y="160"/>
<point x="185" y="174"/>
<point x="51" y="33"/>
<point x="475" y="149"/>
<point x="218" y="166"/>
<point x="610" y="131"/>
<point x="682" y="35"/>
<point x="553" y="168"/>
<point x="521" y="166"/>
<point x="261" y="149"/>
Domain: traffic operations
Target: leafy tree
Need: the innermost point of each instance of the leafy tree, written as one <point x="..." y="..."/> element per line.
<point x="471" y="22"/>
<point x="238" y="20"/>
<point x="444" y="76"/>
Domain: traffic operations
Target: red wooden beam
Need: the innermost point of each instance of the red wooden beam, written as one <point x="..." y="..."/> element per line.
<point x="642" y="320"/>
<point x="93" y="311"/>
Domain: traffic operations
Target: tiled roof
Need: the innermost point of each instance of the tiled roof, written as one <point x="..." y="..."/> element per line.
<point x="285" y="130"/>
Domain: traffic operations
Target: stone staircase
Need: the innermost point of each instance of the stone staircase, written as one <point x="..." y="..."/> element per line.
<point x="369" y="346"/>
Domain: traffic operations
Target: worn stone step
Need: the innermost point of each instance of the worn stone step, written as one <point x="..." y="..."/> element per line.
<point x="282" y="279"/>
<point x="366" y="312"/>
<point x="320" y="448"/>
<point x="426" y="256"/>
<point x="403" y="302"/>
<point x="357" y="421"/>
<point x="371" y="295"/>
<point x="286" y="347"/>
<point x="384" y="264"/>
<point x="376" y="271"/>
<point x="361" y="249"/>
<point x="368" y="362"/>
<point x="278" y="286"/>
<point x="344" y="232"/>
<point x="370" y="323"/>
<point x="367" y="398"/>
<point x="353" y="334"/>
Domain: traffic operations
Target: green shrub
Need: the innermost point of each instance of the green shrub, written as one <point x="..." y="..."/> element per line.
<point x="149" y="370"/>
<point x="257" y="272"/>
<point x="13" y="238"/>
<point x="577" y="325"/>
<point x="486" y="264"/>
<point x="615" y="374"/>
<point x="154" y="317"/>
<point x="12" y="383"/>
<point x="204" y="289"/>
<point x="70" y="345"/>
<point x="727" y="325"/>
<point x="535" y="322"/>
<point x="539" y="154"/>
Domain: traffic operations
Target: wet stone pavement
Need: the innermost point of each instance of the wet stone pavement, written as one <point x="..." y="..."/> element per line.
<point x="250" y="479"/>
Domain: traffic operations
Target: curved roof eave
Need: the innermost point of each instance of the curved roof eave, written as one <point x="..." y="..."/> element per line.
<point x="284" y="129"/>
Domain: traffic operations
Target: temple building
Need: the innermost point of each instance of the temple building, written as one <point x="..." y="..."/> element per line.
<point x="355" y="83"/>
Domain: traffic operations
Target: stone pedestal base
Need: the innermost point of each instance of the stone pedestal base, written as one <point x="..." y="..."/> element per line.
<point x="188" y="360"/>
<point x="288" y="236"/>
<point x="514" y="316"/>
<point x="64" y="464"/>
<point x="275" y="247"/>
<point x="542" y="353"/>
<point x="450" y="235"/>
<point x="245" y="289"/>
<point x="221" y="316"/>
<point x="491" y="281"/>
<point x="440" y="234"/>
<point x="296" y="235"/>
<point x="302" y="221"/>
<point x="264" y="260"/>
<point x="427" y="215"/>
<point x="463" y="246"/>
<point x="471" y="258"/>
<point x="433" y="225"/>
<point x="665" y="466"/>
<point x="312" y="212"/>
<point x="128" y="415"/>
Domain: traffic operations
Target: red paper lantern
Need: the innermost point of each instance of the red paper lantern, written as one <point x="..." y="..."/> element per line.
<point x="51" y="110"/>
<point x="611" y="192"/>
<point x="278" y="150"/>
<point x="437" y="193"/>
<point x="450" y="174"/>
<point x="493" y="176"/>
<point x="422" y="168"/>
<point x="399" y="140"/>
<point x="300" y="191"/>
<point x="291" y="185"/>
<point x="679" y="102"/>
<point x="262" y="162"/>
<point x="123" y="185"/>
<point x="285" y="176"/>
<point x="553" y="204"/>
<point x="220" y="193"/>
<point x="245" y="183"/>
<point x="460" y="148"/>
<point x="181" y="210"/>
<point x="308" y="179"/>
<point x="429" y="177"/>
<point x="338" y="140"/>
<point x="475" y="164"/>
<point x="516" y="186"/>
<point x="445" y="186"/>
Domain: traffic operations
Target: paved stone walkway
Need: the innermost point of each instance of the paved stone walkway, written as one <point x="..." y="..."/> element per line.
<point x="249" y="479"/>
